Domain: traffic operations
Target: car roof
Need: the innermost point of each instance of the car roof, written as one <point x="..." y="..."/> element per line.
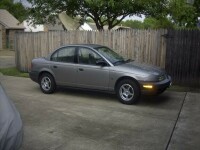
<point x="88" y="45"/>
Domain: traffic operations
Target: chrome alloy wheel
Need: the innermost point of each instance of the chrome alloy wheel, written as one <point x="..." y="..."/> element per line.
<point x="126" y="92"/>
<point x="46" y="83"/>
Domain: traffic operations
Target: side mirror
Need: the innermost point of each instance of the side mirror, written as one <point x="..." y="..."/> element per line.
<point x="101" y="62"/>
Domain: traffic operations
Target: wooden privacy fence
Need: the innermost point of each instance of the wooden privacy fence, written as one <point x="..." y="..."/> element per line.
<point x="176" y="50"/>
<point x="146" y="46"/>
<point x="183" y="57"/>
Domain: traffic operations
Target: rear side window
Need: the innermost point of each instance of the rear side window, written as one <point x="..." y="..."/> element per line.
<point x="66" y="54"/>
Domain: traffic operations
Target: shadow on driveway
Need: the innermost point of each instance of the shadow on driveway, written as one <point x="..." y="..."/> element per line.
<point x="144" y="99"/>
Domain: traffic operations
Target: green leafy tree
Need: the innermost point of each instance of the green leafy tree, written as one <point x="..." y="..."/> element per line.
<point x="157" y="15"/>
<point x="174" y="13"/>
<point x="16" y="9"/>
<point x="153" y="23"/>
<point x="102" y="12"/>
<point x="89" y="20"/>
<point x="135" y="24"/>
<point x="182" y="14"/>
<point x="157" y="8"/>
<point x="196" y="4"/>
<point x="150" y="23"/>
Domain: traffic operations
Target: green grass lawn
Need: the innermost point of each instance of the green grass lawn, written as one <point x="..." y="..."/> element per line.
<point x="13" y="72"/>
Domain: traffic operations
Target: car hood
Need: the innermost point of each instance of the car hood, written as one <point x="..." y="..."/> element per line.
<point x="140" y="69"/>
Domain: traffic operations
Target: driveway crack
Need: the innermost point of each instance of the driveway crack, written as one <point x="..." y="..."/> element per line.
<point x="169" y="141"/>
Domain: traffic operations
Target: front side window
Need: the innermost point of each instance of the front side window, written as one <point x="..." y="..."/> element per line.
<point x="112" y="56"/>
<point x="87" y="56"/>
<point x="66" y="54"/>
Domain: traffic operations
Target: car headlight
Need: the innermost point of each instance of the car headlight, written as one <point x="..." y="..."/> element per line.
<point x="161" y="77"/>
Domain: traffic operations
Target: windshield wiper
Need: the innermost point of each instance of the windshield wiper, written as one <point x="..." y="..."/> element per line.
<point x="128" y="60"/>
<point x="119" y="62"/>
<point x="122" y="61"/>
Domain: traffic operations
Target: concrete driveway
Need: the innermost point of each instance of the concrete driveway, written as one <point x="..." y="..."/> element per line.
<point x="80" y="120"/>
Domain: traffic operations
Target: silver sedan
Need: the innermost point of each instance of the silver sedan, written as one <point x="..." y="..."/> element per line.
<point x="96" y="67"/>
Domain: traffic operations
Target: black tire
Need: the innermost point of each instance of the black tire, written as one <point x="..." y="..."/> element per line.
<point x="128" y="92"/>
<point x="47" y="83"/>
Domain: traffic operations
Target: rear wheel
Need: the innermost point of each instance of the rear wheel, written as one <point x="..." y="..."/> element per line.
<point x="128" y="92"/>
<point x="47" y="83"/>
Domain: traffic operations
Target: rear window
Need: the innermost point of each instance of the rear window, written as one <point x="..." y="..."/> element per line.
<point x="66" y="54"/>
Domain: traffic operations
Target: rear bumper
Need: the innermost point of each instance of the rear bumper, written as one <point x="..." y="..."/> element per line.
<point x="34" y="76"/>
<point x="157" y="87"/>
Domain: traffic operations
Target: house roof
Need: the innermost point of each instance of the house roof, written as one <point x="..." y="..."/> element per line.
<point x="118" y="28"/>
<point x="30" y="27"/>
<point x="68" y="22"/>
<point x="54" y="27"/>
<point x="93" y="26"/>
<point x="9" y="21"/>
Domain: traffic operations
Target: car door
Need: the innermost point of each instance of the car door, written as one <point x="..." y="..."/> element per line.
<point x="89" y="74"/>
<point x="64" y="66"/>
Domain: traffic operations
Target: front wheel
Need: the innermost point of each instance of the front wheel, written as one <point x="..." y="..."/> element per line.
<point x="47" y="83"/>
<point x="128" y="92"/>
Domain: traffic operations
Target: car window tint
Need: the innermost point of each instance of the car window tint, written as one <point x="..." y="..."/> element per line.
<point x="87" y="56"/>
<point x="66" y="54"/>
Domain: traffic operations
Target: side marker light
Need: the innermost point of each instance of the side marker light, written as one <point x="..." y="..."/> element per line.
<point x="148" y="86"/>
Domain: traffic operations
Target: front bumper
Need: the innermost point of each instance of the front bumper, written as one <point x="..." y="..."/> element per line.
<point x="155" y="87"/>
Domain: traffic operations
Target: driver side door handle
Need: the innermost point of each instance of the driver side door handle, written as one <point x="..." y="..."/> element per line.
<point x="81" y="69"/>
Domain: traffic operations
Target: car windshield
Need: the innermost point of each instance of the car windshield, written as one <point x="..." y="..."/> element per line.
<point x="112" y="56"/>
